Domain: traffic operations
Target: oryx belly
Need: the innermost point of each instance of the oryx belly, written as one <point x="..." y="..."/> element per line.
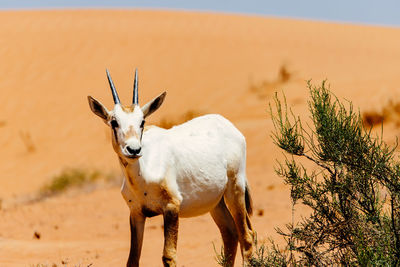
<point x="201" y="191"/>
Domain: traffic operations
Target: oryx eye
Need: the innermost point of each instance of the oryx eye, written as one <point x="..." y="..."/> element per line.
<point x="142" y="124"/>
<point x="114" y="123"/>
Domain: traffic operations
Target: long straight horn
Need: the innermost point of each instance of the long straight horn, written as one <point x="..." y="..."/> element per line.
<point x="113" y="90"/>
<point x="135" y="89"/>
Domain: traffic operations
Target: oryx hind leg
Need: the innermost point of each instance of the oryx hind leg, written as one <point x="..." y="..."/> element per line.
<point x="223" y="218"/>
<point x="237" y="198"/>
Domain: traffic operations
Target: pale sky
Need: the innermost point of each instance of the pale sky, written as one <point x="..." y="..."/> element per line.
<point x="378" y="12"/>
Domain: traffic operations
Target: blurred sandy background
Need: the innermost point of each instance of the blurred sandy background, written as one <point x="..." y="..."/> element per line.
<point x="208" y="63"/>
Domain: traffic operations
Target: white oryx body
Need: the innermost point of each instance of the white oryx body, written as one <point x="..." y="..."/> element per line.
<point x="190" y="169"/>
<point x="192" y="160"/>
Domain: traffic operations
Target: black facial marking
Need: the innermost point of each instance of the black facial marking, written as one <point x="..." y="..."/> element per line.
<point x="114" y="124"/>
<point x="115" y="136"/>
<point x="141" y="135"/>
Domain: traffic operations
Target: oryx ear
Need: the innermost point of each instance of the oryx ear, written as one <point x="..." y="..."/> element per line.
<point x="153" y="105"/>
<point x="98" y="108"/>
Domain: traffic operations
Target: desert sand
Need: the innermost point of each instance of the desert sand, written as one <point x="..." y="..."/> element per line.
<point x="208" y="63"/>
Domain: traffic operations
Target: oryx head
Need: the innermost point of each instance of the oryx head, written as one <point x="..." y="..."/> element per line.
<point x="126" y="122"/>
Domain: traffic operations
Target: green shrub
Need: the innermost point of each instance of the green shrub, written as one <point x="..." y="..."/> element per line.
<point x="353" y="189"/>
<point x="354" y="193"/>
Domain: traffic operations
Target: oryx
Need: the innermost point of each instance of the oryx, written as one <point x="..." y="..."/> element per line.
<point x="188" y="170"/>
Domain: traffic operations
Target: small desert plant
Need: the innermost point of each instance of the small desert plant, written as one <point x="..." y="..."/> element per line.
<point x="262" y="255"/>
<point x="69" y="178"/>
<point x="268" y="256"/>
<point x="266" y="88"/>
<point x="220" y="257"/>
<point x="188" y="115"/>
<point x="28" y="142"/>
<point x="390" y="113"/>
<point x="353" y="190"/>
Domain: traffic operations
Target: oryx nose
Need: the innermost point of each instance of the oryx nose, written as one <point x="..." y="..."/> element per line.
<point x="133" y="151"/>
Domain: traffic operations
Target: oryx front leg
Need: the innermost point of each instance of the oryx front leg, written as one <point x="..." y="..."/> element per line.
<point x="171" y="224"/>
<point x="137" y="227"/>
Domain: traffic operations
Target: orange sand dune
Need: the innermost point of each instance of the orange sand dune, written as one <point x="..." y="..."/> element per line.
<point x="51" y="60"/>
